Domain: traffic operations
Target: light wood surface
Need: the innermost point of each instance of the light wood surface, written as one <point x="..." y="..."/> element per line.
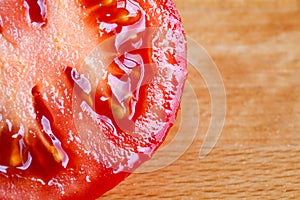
<point x="256" y="46"/>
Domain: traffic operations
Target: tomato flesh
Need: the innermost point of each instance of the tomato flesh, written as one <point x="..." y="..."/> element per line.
<point x="89" y="92"/>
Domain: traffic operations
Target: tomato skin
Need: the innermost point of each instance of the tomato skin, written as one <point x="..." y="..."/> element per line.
<point x="49" y="58"/>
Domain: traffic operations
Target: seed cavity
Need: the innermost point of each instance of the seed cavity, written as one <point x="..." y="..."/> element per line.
<point x="121" y="13"/>
<point x="48" y="130"/>
<point x="81" y="85"/>
<point x="13" y="151"/>
<point x="79" y="79"/>
<point x="92" y="3"/>
<point x="55" y="148"/>
<point x="1" y="25"/>
<point x="36" y="12"/>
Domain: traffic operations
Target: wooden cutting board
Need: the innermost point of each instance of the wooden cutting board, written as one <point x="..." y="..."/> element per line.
<point x="256" y="47"/>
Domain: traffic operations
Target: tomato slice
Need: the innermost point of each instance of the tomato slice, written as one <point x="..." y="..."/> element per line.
<point x="90" y="89"/>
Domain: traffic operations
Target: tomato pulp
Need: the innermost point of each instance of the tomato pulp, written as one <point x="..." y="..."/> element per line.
<point x="89" y="89"/>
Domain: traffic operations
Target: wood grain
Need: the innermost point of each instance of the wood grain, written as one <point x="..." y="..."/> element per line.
<point x="256" y="46"/>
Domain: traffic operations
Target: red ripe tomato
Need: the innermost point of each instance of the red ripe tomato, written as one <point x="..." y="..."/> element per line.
<point x="89" y="90"/>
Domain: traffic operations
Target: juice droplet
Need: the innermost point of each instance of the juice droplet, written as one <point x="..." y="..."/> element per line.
<point x="36" y="11"/>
